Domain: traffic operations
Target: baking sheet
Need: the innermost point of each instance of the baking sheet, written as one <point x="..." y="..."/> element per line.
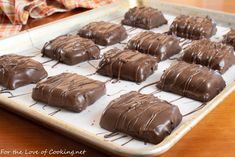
<point x="85" y="125"/>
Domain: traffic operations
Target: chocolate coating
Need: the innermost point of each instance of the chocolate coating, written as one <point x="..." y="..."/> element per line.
<point x="70" y="91"/>
<point x="71" y="49"/>
<point x="161" y="46"/>
<point x="103" y="33"/>
<point x="17" y="71"/>
<point x="192" y="80"/>
<point x="229" y="38"/>
<point x="193" y="27"/>
<point x="141" y="115"/>
<point x="144" y="17"/>
<point x="127" y="65"/>
<point x="216" y="56"/>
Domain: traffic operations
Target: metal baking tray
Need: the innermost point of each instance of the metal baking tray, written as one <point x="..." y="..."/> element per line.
<point x="84" y="126"/>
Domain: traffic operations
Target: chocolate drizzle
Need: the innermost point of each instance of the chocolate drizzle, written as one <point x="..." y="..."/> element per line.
<point x="44" y="106"/>
<point x="54" y="65"/>
<point x="71" y="91"/>
<point x="216" y="56"/>
<point x="127" y="64"/>
<point x="185" y="43"/>
<point x="50" y="60"/>
<point x="159" y="45"/>
<point x="193" y="27"/>
<point x="100" y="133"/>
<point x="118" y="138"/>
<point x="142" y="116"/>
<point x="112" y="134"/>
<point x="192" y="80"/>
<point x="145" y="86"/>
<point x="14" y="96"/>
<point x="144" y="17"/>
<point x="122" y="90"/>
<point x="127" y="142"/>
<point x="55" y="112"/>
<point x="6" y="92"/>
<point x="33" y="104"/>
<point x="229" y="38"/>
<point x="17" y="71"/>
<point x="103" y="33"/>
<point x="181" y="97"/>
<point x="92" y="65"/>
<point x="131" y="29"/>
<point x="195" y="110"/>
<point x="71" y="49"/>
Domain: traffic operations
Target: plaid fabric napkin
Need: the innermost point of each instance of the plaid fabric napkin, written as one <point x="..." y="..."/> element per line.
<point x="15" y="13"/>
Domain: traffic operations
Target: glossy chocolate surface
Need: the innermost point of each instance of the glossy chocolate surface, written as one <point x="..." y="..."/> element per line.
<point x="161" y="46"/>
<point x="103" y="33"/>
<point x="192" y="80"/>
<point x="229" y="38"/>
<point x="193" y="27"/>
<point x="144" y="17"/>
<point x="214" y="55"/>
<point x="141" y="115"/>
<point x="127" y="65"/>
<point x="17" y="71"/>
<point x="71" y="49"/>
<point x="69" y="90"/>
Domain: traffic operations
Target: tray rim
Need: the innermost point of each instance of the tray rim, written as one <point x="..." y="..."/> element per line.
<point x="70" y="131"/>
<point x="120" y="3"/>
<point x="65" y="129"/>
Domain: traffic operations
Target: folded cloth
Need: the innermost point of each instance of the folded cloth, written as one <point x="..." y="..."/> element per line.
<point x="15" y="13"/>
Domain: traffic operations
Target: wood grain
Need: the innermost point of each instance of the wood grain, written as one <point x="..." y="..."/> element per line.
<point x="213" y="136"/>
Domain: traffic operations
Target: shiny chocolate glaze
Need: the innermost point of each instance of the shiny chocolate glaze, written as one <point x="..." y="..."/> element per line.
<point x="141" y="115"/>
<point x="229" y="38"/>
<point x="71" y="49"/>
<point x="104" y="33"/>
<point x="193" y="27"/>
<point x="144" y="17"/>
<point x="214" y="55"/>
<point x="127" y="65"/>
<point x="161" y="46"/>
<point x="69" y="90"/>
<point x="17" y="71"/>
<point x="192" y="80"/>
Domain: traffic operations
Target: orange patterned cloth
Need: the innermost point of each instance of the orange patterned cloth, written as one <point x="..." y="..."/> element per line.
<point x="15" y="13"/>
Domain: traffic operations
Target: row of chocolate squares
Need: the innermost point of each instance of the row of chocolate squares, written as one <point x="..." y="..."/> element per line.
<point x="190" y="80"/>
<point x="190" y="27"/>
<point x="126" y="64"/>
<point x="143" y="116"/>
<point x="106" y="33"/>
<point x="73" y="49"/>
<point x="185" y="26"/>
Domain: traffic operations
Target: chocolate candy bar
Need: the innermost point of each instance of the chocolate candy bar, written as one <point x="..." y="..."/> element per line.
<point x="71" y="49"/>
<point x="141" y="115"/>
<point x="144" y="17"/>
<point x="216" y="56"/>
<point x="17" y="71"/>
<point x="104" y="33"/>
<point x="70" y="91"/>
<point x="192" y="80"/>
<point x="193" y="27"/>
<point x="127" y="65"/>
<point x="161" y="46"/>
<point x="229" y="38"/>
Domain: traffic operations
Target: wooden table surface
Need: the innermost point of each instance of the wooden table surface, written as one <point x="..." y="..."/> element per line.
<point x="213" y="137"/>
